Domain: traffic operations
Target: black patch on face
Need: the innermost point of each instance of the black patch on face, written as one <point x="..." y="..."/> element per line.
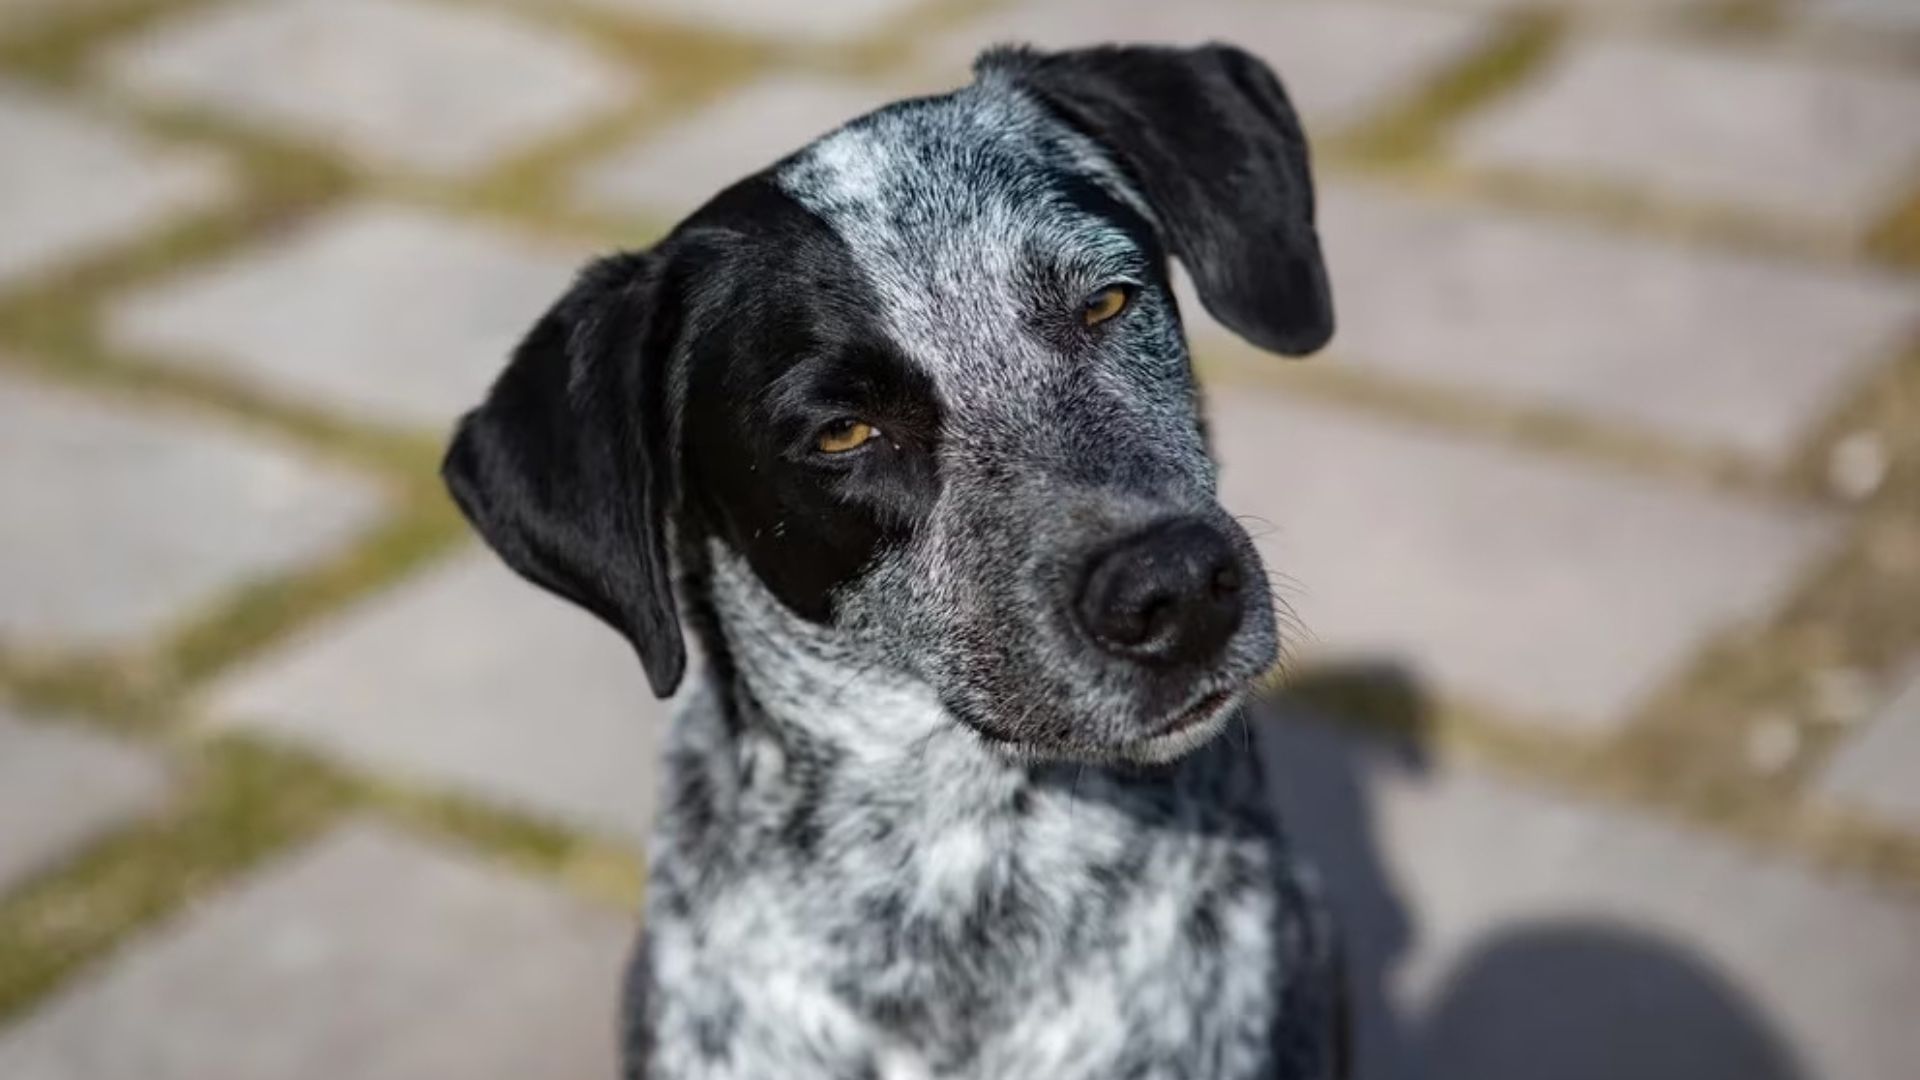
<point x="787" y="343"/>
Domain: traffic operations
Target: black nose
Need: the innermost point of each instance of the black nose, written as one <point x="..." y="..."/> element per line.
<point x="1171" y="594"/>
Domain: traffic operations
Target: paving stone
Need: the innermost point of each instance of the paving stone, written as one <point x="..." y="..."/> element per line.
<point x="423" y="86"/>
<point x="1899" y="16"/>
<point x="1500" y="931"/>
<point x="1730" y="350"/>
<point x="819" y="22"/>
<point x="1341" y="62"/>
<point x="1562" y="591"/>
<point x="1779" y="136"/>
<point x="470" y="679"/>
<point x="1594" y="9"/>
<point x="1878" y="771"/>
<point x="673" y="172"/>
<point x="366" y="956"/>
<point x="62" y="786"/>
<point x="395" y="314"/>
<point x="210" y="510"/>
<point x="72" y="182"/>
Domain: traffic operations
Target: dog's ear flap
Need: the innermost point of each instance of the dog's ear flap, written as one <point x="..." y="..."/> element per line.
<point x="1208" y="137"/>
<point x="566" y="470"/>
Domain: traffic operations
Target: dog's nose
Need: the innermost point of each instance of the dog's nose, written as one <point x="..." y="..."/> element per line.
<point x="1171" y="594"/>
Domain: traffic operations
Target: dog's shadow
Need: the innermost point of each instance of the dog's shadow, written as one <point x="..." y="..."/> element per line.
<point x="1560" y="999"/>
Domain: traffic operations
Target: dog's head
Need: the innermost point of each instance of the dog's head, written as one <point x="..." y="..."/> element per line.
<point x="926" y="380"/>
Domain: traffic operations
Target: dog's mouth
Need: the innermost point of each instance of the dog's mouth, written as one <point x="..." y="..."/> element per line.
<point x="1187" y="729"/>
<point x="1174" y="736"/>
<point x="1196" y="714"/>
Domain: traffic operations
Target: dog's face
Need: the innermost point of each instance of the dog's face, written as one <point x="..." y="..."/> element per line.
<point x="926" y="380"/>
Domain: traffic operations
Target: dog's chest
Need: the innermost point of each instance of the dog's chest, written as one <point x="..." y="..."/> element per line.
<point x="1067" y="933"/>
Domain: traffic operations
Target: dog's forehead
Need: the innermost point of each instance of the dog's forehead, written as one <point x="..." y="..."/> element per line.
<point x="948" y="205"/>
<point x="965" y="136"/>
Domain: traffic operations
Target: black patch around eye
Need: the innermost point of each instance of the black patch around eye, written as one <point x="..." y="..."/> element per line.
<point x="789" y="342"/>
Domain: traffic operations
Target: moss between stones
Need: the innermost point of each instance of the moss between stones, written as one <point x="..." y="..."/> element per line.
<point x="57" y="42"/>
<point x="1524" y="44"/>
<point x="240" y="803"/>
<point x="1896" y="240"/>
<point x="1451" y="409"/>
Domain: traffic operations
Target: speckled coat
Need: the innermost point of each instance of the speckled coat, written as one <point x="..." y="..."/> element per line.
<point x="918" y="821"/>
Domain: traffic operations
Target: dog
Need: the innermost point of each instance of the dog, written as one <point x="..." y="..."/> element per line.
<point x="903" y="431"/>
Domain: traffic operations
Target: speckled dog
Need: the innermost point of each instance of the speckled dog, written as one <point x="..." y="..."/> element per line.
<point x="904" y="430"/>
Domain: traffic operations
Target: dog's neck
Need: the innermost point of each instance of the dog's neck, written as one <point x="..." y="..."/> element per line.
<point x="835" y="845"/>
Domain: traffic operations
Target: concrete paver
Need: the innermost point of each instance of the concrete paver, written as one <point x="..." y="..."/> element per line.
<point x="470" y="679"/>
<point x="670" y="173"/>
<point x="366" y="955"/>
<point x="62" y="786"/>
<point x="395" y="314"/>
<point x="1878" y="770"/>
<point x="1561" y="591"/>
<point x="120" y="522"/>
<point x="1499" y="930"/>
<point x="407" y="84"/>
<point x="1729" y="350"/>
<point x="1899" y="16"/>
<point x="1341" y="62"/>
<point x="821" y="22"/>
<point x="1823" y="144"/>
<point x="73" y="183"/>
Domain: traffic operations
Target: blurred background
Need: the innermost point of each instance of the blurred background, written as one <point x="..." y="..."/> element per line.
<point x="1601" y="517"/>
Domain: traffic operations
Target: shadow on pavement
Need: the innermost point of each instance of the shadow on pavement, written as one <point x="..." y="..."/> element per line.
<point x="1572" y="999"/>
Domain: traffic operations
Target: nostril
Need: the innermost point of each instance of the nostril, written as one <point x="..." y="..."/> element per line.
<point x="1155" y="616"/>
<point x="1130" y="626"/>
<point x="1226" y="581"/>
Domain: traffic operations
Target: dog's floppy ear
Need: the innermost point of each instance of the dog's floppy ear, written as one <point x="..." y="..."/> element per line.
<point x="565" y="469"/>
<point x="1208" y="137"/>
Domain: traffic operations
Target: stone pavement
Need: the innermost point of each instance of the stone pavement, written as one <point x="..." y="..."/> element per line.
<point x="1599" y="524"/>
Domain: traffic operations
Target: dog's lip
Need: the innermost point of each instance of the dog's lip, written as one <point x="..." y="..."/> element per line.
<point x="1206" y="708"/>
<point x="1187" y="729"/>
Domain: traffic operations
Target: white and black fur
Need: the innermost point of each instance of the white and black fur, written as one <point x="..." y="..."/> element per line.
<point x="944" y="799"/>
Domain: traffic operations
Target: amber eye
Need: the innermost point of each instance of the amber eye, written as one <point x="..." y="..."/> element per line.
<point x="844" y="435"/>
<point x="1105" y="304"/>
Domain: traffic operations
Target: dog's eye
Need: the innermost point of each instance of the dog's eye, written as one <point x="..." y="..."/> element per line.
<point x="1105" y="304"/>
<point x="844" y="435"/>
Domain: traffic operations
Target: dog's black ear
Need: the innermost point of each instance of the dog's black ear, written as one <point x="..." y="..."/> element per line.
<point x="1208" y="137"/>
<point x="565" y="469"/>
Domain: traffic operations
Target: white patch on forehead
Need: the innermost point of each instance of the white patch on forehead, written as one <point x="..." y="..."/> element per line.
<point x="961" y="219"/>
<point x="942" y="203"/>
<point x="844" y="168"/>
